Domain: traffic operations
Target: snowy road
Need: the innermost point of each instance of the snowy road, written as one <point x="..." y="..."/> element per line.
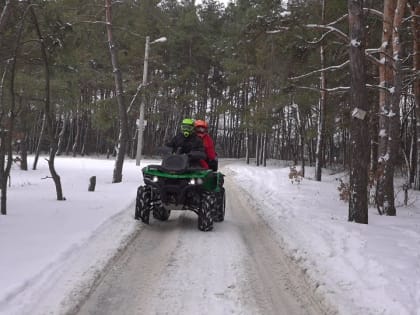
<point x="173" y="268"/>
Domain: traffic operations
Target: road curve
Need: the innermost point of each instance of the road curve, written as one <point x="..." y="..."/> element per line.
<point x="173" y="268"/>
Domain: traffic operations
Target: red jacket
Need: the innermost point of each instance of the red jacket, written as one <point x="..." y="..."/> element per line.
<point x="208" y="148"/>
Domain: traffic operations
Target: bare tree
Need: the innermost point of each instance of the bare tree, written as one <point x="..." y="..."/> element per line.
<point x="49" y="117"/>
<point x="123" y="133"/>
<point x="7" y="134"/>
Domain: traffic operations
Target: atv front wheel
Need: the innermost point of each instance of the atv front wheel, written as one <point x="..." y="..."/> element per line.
<point x="161" y="213"/>
<point x="219" y="214"/>
<point x="143" y="204"/>
<point x="205" y="213"/>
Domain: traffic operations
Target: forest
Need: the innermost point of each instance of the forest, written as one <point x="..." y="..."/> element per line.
<point x="325" y="83"/>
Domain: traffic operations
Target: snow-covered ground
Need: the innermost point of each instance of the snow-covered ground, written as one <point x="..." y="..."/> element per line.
<point x="58" y="248"/>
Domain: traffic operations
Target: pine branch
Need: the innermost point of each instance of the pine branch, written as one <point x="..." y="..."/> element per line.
<point x="134" y="97"/>
<point x="320" y="39"/>
<point x="332" y="68"/>
<point x="409" y="18"/>
<point x="336" y="31"/>
<point x="374" y="12"/>
<point x="338" y="89"/>
<point x="278" y="30"/>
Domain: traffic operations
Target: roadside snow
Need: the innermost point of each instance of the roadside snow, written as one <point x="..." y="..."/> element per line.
<point x="52" y="251"/>
<point x="362" y="269"/>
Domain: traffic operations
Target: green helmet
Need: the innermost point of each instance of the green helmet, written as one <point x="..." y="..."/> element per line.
<point x="187" y="127"/>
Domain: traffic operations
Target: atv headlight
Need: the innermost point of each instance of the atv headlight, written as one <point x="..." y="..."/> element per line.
<point x="155" y="179"/>
<point x="195" y="181"/>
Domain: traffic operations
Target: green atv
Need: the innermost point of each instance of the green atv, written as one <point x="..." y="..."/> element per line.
<point x="174" y="185"/>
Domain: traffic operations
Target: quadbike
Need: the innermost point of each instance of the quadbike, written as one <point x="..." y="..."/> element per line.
<point x="175" y="185"/>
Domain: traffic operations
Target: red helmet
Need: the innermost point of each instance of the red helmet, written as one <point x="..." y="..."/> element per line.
<point x="201" y="123"/>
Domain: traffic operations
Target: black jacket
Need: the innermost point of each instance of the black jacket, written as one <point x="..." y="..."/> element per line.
<point x="181" y="144"/>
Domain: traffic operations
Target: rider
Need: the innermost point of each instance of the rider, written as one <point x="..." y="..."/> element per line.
<point x="201" y="129"/>
<point x="187" y="141"/>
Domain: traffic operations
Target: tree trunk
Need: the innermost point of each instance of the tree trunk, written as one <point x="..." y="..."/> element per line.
<point x="5" y="150"/>
<point x="6" y="136"/>
<point x="70" y="137"/>
<point x="49" y="117"/>
<point x="394" y="114"/>
<point x="415" y="12"/>
<point x="134" y="140"/>
<point x="3" y="177"/>
<point x="24" y="153"/>
<point x="38" y="147"/>
<point x="302" y="141"/>
<point x="123" y="132"/>
<point x="85" y="133"/>
<point x="386" y="75"/>
<point x="264" y="149"/>
<point x="319" y="159"/>
<point x="257" y="148"/>
<point x="247" y="140"/>
<point x="77" y="122"/>
<point x="358" y="207"/>
<point x="413" y="150"/>
<point x="61" y="135"/>
<point x="374" y="132"/>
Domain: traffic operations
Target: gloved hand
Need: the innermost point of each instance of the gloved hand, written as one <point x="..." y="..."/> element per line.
<point x="213" y="164"/>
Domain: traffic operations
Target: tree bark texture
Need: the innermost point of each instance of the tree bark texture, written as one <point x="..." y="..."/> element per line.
<point x="24" y="153"/>
<point x="359" y="165"/>
<point x="6" y="135"/>
<point x="123" y="130"/>
<point x="386" y="76"/>
<point x="49" y="117"/>
<point x="319" y="161"/>
<point x="415" y="12"/>
<point x="77" y="136"/>
<point x="61" y="135"/>
<point x="38" y="146"/>
<point x="394" y="142"/>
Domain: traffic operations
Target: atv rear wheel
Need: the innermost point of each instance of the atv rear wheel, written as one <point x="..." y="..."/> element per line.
<point x="205" y="213"/>
<point x="161" y="213"/>
<point x="143" y="204"/>
<point x="219" y="214"/>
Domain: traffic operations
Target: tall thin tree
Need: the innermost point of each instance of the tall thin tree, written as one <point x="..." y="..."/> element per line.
<point x="319" y="155"/>
<point x="48" y="111"/>
<point x="415" y="13"/>
<point x="358" y="206"/>
<point x="119" y="91"/>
